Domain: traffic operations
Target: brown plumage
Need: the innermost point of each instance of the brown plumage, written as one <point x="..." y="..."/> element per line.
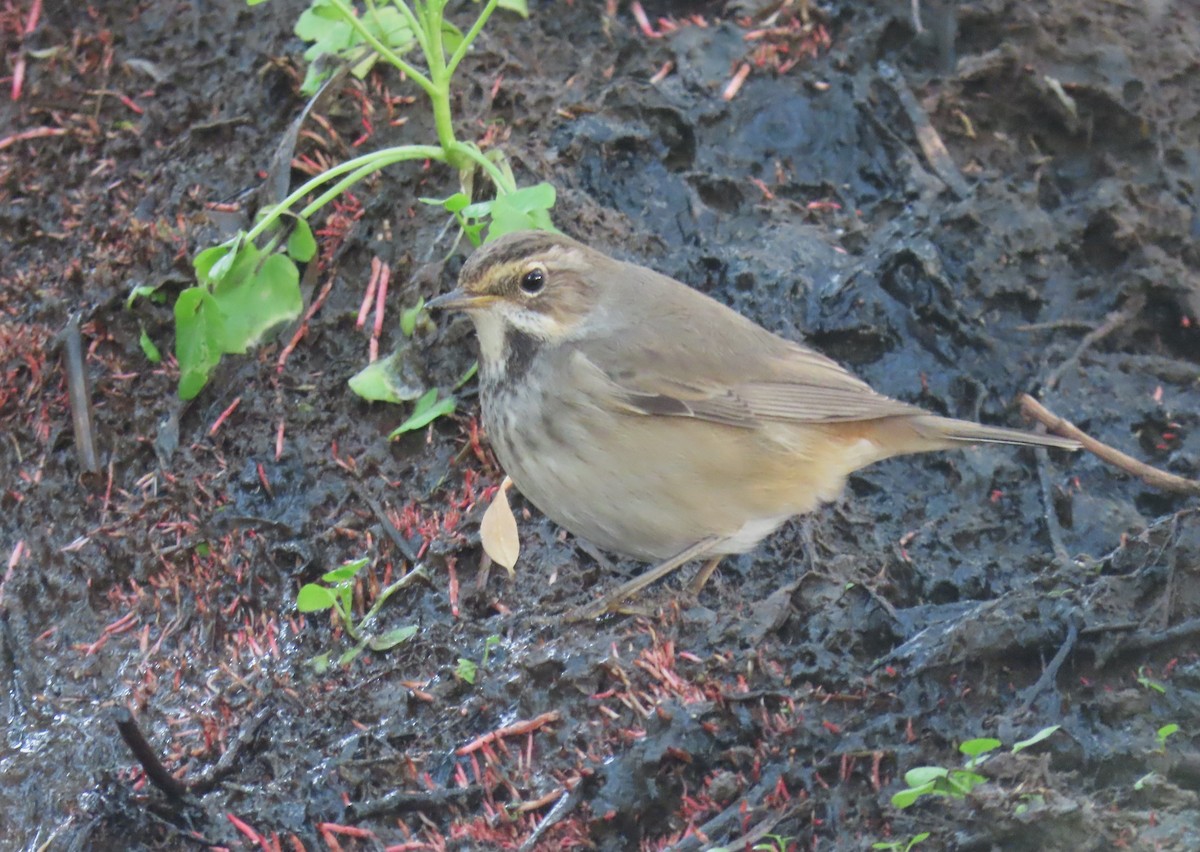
<point x="654" y="421"/>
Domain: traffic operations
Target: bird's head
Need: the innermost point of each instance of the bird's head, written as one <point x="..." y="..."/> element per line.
<point x="540" y="283"/>
<point x="537" y="286"/>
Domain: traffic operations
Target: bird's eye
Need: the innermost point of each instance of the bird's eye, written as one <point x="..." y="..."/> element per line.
<point x="533" y="282"/>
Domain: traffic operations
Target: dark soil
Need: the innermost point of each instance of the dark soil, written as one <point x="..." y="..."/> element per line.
<point x="988" y="593"/>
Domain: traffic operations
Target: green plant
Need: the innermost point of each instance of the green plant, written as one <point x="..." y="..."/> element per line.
<point x="1147" y="682"/>
<point x="243" y="291"/>
<point x="957" y="783"/>
<point x="336" y="592"/>
<point x="466" y="670"/>
<point x="1162" y="733"/>
<point x="902" y="845"/>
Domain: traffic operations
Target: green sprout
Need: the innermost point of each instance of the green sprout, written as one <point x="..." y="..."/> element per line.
<point x="958" y="783"/>
<point x="336" y="592"/>
<point x="1147" y="682"/>
<point x="466" y="670"/>
<point x="244" y="291"/>
<point x="1162" y="733"/>
<point x="902" y="845"/>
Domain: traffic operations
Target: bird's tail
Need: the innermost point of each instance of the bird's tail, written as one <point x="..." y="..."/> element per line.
<point x="953" y="432"/>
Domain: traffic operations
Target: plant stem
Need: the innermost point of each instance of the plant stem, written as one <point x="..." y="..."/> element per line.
<point x="418" y="573"/>
<point x="382" y="49"/>
<point x="439" y="76"/>
<point x="369" y="162"/>
<point x="462" y="49"/>
<point x="495" y="173"/>
<point x="411" y="20"/>
<point x="428" y="32"/>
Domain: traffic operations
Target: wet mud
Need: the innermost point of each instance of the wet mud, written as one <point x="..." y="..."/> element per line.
<point x="1003" y="202"/>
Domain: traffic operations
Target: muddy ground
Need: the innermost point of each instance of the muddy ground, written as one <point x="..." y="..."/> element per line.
<point x="1051" y="248"/>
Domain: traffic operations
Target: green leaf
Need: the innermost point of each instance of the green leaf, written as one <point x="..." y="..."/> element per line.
<point x="473" y="233"/>
<point x="320" y="663"/>
<point x="922" y="775"/>
<point x="466" y="670"/>
<point x="408" y="318"/>
<point x="301" y="246"/>
<point x="204" y="262"/>
<point x="390" y="27"/>
<point x="350" y="656"/>
<point x="467" y="376"/>
<point x="1166" y="731"/>
<point x="962" y="781"/>
<point x="1044" y="733"/>
<point x="457" y="202"/>
<point x="982" y="745"/>
<point x="148" y="348"/>
<point x="345" y="572"/>
<point x="345" y="602"/>
<point x="323" y="25"/>
<point x="454" y="204"/>
<point x="523" y="210"/>
<point x="199" y="329"/>
<point x="149" y="291"/>
<point x="314" y="598"/>
<point x="905" y="798"/>
<point x="393" y="638"/>
<point x="381" y="381"/>
<point x="452" y="36"/>
<point x="254" y="305"/>
<point x="521" y="7"/>
<point x="427" y="409"/>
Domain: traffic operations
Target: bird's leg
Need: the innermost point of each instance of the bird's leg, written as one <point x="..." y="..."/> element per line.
<point x="662" y="569"/>
<point x="703" y="574"/>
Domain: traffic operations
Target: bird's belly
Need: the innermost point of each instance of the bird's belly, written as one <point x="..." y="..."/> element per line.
<point x="650" y="487"/>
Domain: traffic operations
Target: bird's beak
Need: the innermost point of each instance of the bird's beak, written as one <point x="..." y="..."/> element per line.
<point x="459" y="300"/>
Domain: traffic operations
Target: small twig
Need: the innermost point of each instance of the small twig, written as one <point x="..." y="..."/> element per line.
<point x="562" y="807"/>
<point x="1053" y="527"/>
<point x="1111" y="323"/>
<point x="1142" y="640"/>
<point x="1152" y="476"/>
<point x="80" y="395"/>
<point x="225" y="764"/>
<point x="1051" y="672"/>
<point x="400" y="801"/>
<point x="739" y="812"/>
<point x="516" y="728"/>
<point x="406" y="549"/>
<point x="155" y="771"/>
<point x="931" y="143"/>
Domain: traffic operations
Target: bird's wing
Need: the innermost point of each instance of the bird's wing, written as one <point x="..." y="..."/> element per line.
<point x="794" y="384"/>
<point x="668" y="350"/>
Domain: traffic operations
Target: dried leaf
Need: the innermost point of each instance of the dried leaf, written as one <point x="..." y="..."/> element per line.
<point x="498" y="530"/>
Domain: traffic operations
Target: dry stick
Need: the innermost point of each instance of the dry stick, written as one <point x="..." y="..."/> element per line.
<point x="555" y="815"/>
<point x="155" y="771"/>
<point x="1051" y="672"/>
<point x="522" y="727"/>
<point x="931" y="143"/>
<point x="80" y="395"/>
<point x="1111" y="323"/>
<point x="406" y="549"/>
<point x="1053" y="527"/>
<point x="1152" y="476"/>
